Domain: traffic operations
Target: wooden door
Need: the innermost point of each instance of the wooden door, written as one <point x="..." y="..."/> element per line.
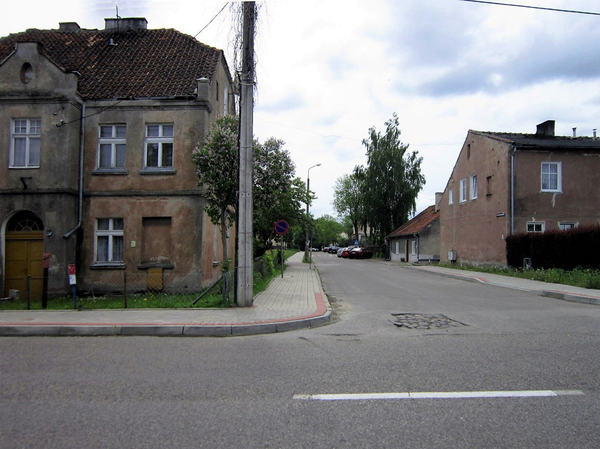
<point x="24" y="258"/>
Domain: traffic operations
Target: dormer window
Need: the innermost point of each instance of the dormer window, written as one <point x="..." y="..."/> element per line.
<point x="26" y="73"/>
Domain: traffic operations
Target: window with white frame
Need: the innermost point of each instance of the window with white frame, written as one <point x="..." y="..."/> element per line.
<point x="474" y="187"/>
<point x="109" y="240"/>
<point x="159" y="146"/>
<point x="566" y="225"/>
<point x="111" y="147"/>
<point x="551" y="177"/>
<point x="450" y="196"/>
<point x="25" y="143"/>
<point x="463" y="190"/>
<point x="413" y="247"/>
<point x="535" y="226"/>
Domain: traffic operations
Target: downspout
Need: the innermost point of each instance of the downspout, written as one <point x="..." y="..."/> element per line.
<point x="418" y="247"/>
<point x="80" y="187"/>
<point x="512" y="190"/>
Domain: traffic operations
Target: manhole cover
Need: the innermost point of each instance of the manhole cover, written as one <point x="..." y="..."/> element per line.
<point x="424" y="321"/>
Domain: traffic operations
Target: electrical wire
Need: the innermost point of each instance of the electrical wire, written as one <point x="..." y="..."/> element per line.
<point x="211" y="20"/>
<point x="532" y="7"/>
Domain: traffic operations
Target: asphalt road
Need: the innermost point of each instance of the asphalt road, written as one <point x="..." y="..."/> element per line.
<point x="260" y="391"/>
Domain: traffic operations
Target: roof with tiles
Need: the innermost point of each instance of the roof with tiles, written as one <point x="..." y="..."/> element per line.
<point x="417" y="224"/>
<point x="138" y="63"/>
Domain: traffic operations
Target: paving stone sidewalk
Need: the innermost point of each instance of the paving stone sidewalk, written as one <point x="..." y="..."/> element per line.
<point x="294" y="301"/>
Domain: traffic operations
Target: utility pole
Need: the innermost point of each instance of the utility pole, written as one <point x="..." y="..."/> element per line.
<point x="307" y="249"/>
<point x="244" y="284"/>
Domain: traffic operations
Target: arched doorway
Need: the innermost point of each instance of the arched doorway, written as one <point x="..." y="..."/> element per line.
<point x="24" y="240"/>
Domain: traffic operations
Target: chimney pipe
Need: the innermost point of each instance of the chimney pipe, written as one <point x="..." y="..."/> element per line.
<point x="574" y="132"/>
<point x="594" y="133"/>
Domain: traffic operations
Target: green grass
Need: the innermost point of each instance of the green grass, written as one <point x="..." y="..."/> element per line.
<point x="149" y="300"/>
<point x="579" y="277"/>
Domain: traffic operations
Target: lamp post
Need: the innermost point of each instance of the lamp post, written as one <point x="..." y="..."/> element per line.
<point x="307" y="246"/>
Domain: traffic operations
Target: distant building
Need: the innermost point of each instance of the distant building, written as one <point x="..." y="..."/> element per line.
<point x="509" y="183"/>
<point x="97" y="129"/>
<point x="417" y="240"/>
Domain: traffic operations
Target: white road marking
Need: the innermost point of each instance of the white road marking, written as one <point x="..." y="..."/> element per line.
<point x="438" y="395"/>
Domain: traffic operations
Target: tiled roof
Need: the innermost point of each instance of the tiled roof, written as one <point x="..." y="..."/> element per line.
<point x="418" y="223"/>
<point x="533" y="141"/>
<point x="134" y="63"/>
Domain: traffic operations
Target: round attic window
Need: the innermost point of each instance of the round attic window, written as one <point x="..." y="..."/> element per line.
<point x="26" y="73"/>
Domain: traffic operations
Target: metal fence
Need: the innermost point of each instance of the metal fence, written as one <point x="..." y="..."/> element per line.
<point x="116" y="289"/>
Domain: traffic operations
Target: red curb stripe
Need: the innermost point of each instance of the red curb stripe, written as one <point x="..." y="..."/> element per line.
<point x="321" y="310"/>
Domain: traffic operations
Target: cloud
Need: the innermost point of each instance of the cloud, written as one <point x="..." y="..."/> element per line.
<point x="290" y="102"/>
<point x="464" y="49"/>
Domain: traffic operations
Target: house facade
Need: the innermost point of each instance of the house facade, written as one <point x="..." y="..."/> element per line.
<point x="418" y="240"/>
<point x="97" y="129"/>
<point x="509" y="183"/>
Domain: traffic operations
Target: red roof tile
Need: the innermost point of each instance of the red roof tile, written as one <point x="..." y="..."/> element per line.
<point x="141" y="63"/>
<point x="419" y="222"/>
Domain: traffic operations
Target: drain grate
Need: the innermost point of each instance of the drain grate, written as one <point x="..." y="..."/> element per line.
<point x="424" y="321"/>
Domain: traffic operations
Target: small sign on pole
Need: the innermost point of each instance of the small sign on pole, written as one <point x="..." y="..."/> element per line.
<point x="72" y="277"/>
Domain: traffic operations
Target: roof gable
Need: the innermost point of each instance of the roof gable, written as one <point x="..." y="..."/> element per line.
<point x="417" y="224"/>
<point x="119" y="64"/>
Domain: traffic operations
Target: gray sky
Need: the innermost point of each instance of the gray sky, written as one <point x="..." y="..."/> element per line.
<point x="330" y="70"/>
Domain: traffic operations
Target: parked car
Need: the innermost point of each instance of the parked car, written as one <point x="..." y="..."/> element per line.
<point x="360" y="253"/>
<point x="333" y="249"/>
<point x="346" y="251"/>
<point x="340" y="251"/>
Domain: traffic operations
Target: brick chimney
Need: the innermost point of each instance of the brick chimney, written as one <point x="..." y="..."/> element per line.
<point x="545" y="129"/>
<point x="128" y="23"/>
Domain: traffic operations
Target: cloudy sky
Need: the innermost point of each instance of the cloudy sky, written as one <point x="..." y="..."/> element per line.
<point x="330" y="70"/>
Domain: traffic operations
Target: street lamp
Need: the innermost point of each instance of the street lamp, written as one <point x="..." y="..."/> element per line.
<point x="306" y="248"/>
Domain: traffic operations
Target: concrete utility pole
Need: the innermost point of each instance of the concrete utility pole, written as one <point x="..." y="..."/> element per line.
<point x="244" y="291"/>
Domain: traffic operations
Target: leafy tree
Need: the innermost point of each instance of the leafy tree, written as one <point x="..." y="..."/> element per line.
<point x="393" y="179"/>
<point x="216" y="161"/>
<point x="277" y="194"/>
<point x="327" y="231"/>
<point x="349" y="197"/>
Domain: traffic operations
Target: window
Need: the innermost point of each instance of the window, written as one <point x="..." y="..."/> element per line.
<point x="159" y="146"/>
<point x="535" y="226"/>
<point x="488" y="185"/>
<point x="551" y="177"/>
<point x="474" y="187"/>
<point x="109" y="240"/>
<point x="451" y="197"/>
<point x="111" y="147"/>
<point x="463" y="190"/>
<point x="565" y="226"/>
<point x="25" y="141"/>
<point x="413" y="247"/>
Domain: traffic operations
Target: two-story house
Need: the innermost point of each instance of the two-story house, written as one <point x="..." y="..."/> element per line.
<point x="509" y="183"/>
<point x="97" y="129"/>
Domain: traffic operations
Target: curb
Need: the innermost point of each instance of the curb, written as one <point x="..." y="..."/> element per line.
<point x="563" y="296"/>
<point x="191" y="330"/>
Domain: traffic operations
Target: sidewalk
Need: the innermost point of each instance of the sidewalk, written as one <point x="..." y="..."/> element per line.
<point x="296" y="301"/>
<point x="556" y="291"/>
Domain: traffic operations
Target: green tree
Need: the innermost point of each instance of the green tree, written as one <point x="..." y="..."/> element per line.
<point x="277" y="194"/>
<point x="327" y="231"/>
<point x="348" y="198"/>
<point x="216" y="160"/>
<point x="392" y="180"/>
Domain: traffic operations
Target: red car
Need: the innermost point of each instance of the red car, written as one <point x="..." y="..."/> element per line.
<point x="360" y="253"/>
<point x="346" y="251"/>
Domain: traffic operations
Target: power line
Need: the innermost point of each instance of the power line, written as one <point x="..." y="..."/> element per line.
<point x="533" y="7"/>
<point x="211" y="20"/>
